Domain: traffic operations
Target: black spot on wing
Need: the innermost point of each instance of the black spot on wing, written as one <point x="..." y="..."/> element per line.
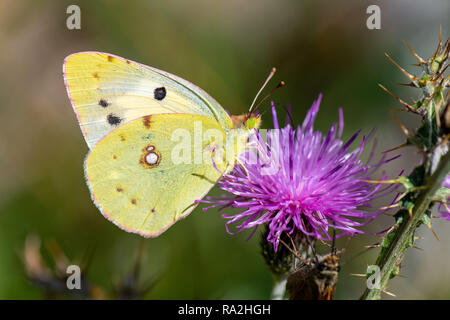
<point x="160" y="93"/>
<point x="103" y="103"/>
<point x="113" y="119"/>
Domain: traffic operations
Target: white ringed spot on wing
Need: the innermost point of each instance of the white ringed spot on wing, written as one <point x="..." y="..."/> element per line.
<point x="151" y="157"/>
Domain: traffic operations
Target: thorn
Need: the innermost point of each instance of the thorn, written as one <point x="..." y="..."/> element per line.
<point x="410" y="189"/>
<point x="358" y="275"/>
<point x="420" y="188"/>
<point x="388" y="231"/>
<point x="409" y="76"/>
<point x="441" y="73"/>
<point x="421" y="61"/>
<point x="372" y="246"/>
<point x="398" y="110"/>
<point x="411" y="84"/>
<point x="439" y="44"/>
<point x="418" y="238"/>
<point x="402" y="127"/>
<point x="434" y="233"/>
<point x="403" y="103"/>
<point x="400" y="275"/>
<point x="431" y="97"/>
<point x="390" y="207"/>
<point x="418" y="248"/>
<point x="388" y="293"/>
<point x="406" y="144"/>
<point x="410" y="213"/>
<point x="402" y="196"/>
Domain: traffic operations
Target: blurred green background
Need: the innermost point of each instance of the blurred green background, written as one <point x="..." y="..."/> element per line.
<point x="227" y="48"/>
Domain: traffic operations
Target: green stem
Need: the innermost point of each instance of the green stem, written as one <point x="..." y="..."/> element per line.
<point x="391" y="256"/>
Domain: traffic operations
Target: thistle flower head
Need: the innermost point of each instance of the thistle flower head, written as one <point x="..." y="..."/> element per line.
<point x="301" y="182"/>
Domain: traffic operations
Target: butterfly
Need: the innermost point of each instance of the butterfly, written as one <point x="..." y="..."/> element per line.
<point x="157" y="142"/>
<point x="315" y="282"/>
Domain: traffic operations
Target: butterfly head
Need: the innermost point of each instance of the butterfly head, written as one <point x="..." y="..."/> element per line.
<point x="253" y="121"/>
<point x="247" y="121"/>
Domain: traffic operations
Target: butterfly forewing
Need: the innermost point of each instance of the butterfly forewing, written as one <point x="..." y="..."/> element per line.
<point x="108" y="91"/>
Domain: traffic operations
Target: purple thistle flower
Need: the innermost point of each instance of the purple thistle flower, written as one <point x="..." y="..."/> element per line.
<point x="446" y="181"/>
<point x="444" y="209"/>
<point x="301" y="182"/>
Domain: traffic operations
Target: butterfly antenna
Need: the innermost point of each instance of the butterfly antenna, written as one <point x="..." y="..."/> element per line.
<point x="281" y="84"/>
<point x="272" y="72"/>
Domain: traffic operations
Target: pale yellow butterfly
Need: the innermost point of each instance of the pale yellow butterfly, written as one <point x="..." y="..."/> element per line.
<point x="144" y="170"/>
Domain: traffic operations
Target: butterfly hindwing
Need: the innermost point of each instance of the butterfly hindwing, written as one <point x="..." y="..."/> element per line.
<point x="144" y="176"/>
<point x="108" y="91"/>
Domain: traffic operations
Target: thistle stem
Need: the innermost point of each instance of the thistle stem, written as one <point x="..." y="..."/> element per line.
<point x="391" y="255"/>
